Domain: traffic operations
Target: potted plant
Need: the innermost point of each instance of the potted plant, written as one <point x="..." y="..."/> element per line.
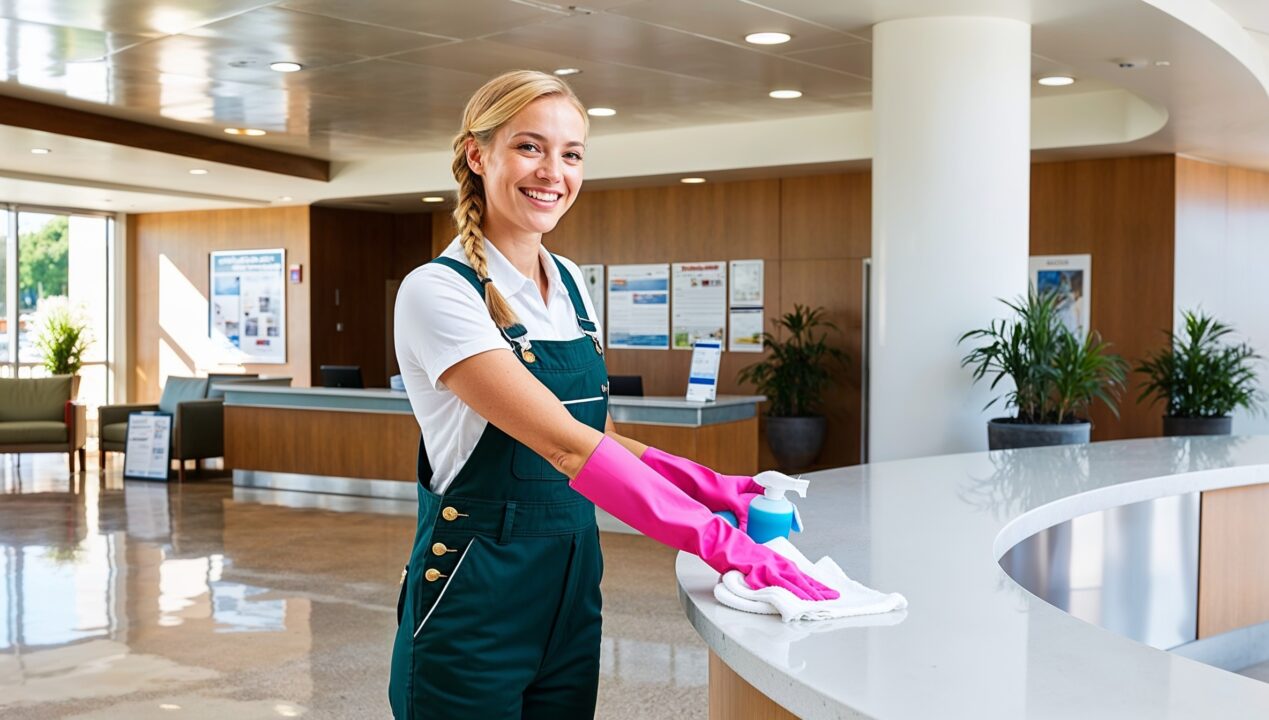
<point x="1201" y="377"/>
<point x="1056" y="375"/>
<point x="62" y="340"/>
<point x="794" y="377"/>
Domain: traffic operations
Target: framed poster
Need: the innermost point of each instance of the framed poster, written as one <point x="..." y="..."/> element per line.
<point x="699" y="306"/>
<point x="247" y="312"/>
<point x="593" y="276"/>
<point x="745" y="306"/>
<point x="148" y="446"/>
<point x="639" y="307"/>
<point x="1071" y="277"/>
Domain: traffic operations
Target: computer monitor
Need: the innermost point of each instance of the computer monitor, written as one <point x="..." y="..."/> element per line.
<point x="625" y="385"/>
<point x="341" y="376"/>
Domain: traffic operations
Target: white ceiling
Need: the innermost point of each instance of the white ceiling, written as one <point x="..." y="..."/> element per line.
<point x="385" y="81"/>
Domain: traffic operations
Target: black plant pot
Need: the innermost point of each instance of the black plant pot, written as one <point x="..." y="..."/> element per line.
<point x="1183" y="426"/>
<point x="1008" y="434"/>
<point x="795" y="441"/>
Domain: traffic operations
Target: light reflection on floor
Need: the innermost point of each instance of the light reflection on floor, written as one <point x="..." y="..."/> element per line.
<point x="148" y="600"/>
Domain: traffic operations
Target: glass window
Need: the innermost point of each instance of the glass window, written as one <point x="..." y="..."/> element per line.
<point x="5" y="345"/>
<point x="43" y="265"/>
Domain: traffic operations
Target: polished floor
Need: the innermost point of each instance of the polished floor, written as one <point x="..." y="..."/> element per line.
<point x="143" y="600"/>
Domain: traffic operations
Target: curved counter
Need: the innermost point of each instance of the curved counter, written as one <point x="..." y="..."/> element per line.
<point x="973" y="643"/>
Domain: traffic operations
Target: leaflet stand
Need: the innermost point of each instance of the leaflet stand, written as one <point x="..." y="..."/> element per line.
<point x="148" y="448"/>
<point x="702" y="379"/>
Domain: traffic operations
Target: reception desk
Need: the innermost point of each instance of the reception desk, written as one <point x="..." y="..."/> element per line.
<point x="365" y="442"/>
<point x="973" y="642"/>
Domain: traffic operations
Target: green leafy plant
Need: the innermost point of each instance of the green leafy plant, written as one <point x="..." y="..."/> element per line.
<point x="1200" y="375"/>
<point x="1056" y="375"/>
<point x="62" y="340"/>
<point x="799" y="369"/>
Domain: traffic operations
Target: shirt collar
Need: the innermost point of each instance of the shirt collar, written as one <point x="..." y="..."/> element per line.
<point x="510" y="281"/>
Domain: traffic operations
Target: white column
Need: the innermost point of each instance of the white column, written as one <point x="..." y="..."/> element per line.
<point x="950" y="191"/>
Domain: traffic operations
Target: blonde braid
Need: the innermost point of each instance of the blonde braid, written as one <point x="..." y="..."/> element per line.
<point x="468" y="213"/>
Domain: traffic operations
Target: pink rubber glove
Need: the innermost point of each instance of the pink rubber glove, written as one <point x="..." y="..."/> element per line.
<point x="615" y="480"/>
<point x="711" y="489"/>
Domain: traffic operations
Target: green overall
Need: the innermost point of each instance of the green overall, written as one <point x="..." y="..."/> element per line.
<point x="499" y="616"/>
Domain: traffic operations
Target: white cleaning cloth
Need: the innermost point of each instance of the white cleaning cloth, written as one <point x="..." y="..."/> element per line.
<point x="856" y="598"/>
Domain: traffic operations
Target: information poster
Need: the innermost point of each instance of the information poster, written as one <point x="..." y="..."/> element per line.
<point x="148" y="446"/>
<point x="699" y="309"/>
<point x="702" y="378"/>
<point x="1071" y="277"/>
<point x="745" y="306"/>
<point x="593" y="276"/>
<point x="248" y="305"/>
<point x="639" y="307"/>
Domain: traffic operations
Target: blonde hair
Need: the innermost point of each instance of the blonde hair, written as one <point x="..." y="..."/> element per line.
<point x="493" y="106"/>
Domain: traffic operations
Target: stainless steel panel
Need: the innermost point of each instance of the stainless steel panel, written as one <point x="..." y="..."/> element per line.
<point x="1132" y="569"/>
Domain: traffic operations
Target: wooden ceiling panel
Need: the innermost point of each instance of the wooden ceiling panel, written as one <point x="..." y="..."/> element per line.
<point x="730" y="21"/>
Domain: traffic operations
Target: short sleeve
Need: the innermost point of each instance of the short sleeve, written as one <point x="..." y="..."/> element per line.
<point x="440" y="320"/>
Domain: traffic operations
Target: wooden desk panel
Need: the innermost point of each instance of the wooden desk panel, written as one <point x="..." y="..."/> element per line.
<point x="378" y="446"/>
<point x="1233" y="545"/>
<point x="730" y="448"/>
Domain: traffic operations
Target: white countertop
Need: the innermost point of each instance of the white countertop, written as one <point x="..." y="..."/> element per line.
<point x="677" y="401"/>
<point x="973" y="644"/>
<point x="315" y="391"/>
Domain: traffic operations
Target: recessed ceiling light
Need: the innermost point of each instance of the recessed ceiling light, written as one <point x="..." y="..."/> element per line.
<point x="253" y="132"/>
<point x="433" y="199"/>
<point x="1056" y="80"/>
<point x="286" y="67"/>
<point x="692" y="180"/>
<point x="567" y="71"/>
<point x="284" y="198"/>
<point x="40" y="151"/>
<point x="768" y="38"/>
<point x="601" y="112"/>
<point x="785" y="94"/>
<point x="1161" y="63"/>
<point x="197" y="171"/>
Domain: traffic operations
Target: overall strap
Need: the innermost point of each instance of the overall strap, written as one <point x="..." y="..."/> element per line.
<point x="516" y="335"/>
<point x="584" y="322"/>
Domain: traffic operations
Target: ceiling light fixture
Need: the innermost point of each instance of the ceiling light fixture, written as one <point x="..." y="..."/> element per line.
<point x="562" y="72"/>
<point x="197" y="171"/>
<point x="601" y="112"/>
<point x="252" y="132"/>
<point x="40" y="151"/>
<point x="785" y="94"/>
<point x="286" y="67"/>
<point x="692" y="180"/>
<point x="433" y="199"/>
<point x="768" y="38"/>
<point x="285" y="198"/>
<point x="1056" y="80"/>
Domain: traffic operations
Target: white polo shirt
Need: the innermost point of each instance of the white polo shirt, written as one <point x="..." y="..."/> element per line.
<point x="440" y="320"/>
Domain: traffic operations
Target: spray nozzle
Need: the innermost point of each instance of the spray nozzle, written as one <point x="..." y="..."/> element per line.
<point x="777" y="484"/>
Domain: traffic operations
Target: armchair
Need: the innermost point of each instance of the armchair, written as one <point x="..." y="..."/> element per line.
<point x="37" y="415"/>
<point x="198" y="426"/>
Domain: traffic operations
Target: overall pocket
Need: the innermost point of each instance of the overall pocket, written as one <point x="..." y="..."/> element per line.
<point x="528" y="465"/>
<point x="448" y="574"/>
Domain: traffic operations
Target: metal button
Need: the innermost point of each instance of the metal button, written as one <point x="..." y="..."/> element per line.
<point x="439" y="549"/>
<point x="529" y="357"/>
<point x="450" y="514"/>
<point x="598" y="348"/>
<point x="432" y="575"/>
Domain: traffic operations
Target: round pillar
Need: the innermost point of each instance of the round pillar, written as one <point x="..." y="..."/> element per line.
<point x="950" y="200"/>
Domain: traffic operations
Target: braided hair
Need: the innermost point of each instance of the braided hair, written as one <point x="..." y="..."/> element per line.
<point x="491" y="107"/>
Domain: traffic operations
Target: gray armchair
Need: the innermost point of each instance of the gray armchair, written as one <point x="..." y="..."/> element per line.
<point x="37" y="415"/>
<point x="198" y="423"/>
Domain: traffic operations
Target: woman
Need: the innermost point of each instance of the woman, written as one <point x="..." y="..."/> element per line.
<point x="502" y="359"/>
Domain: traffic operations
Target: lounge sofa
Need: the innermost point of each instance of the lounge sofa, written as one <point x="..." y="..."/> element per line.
<point x="37" y="415"/>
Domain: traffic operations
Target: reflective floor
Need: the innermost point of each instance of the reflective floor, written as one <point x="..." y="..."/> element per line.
<point x="144" y="600"/>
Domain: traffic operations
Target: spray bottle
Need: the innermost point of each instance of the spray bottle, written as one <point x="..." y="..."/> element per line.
<point x="770" y="514"/>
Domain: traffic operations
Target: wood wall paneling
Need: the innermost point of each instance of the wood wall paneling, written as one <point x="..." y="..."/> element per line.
<point x="1121" y="210"/>
<point x="1233" y="545"/>
<point x="171" y="252"/>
